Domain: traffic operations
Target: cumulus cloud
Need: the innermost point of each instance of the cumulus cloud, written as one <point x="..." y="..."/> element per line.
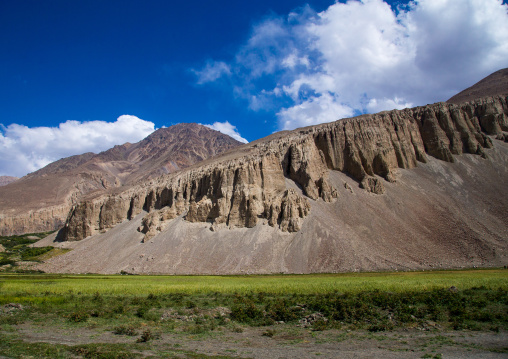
<point x="366" y="56"/>
<point x="24" y="149"/>
<point x="228" y="129"/>
<point x="313" y="111"/>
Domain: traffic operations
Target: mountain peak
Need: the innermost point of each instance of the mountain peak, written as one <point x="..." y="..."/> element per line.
<point x="67" y="180"/>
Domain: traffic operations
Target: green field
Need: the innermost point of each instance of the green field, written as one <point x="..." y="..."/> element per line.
<point x="20" y="285"/>
<point x="147" y="308"/>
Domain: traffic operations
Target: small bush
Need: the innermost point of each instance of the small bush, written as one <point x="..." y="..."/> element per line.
<point x="146" y="314"/>
<point x="319" y="325"/>
<point x="31" y="252"/>
<point x="141" y="311"/>
<point x="269" y="333"/>
<point x="237" y="329"/>
<point x="282" y="310"/>
<point x="78" y="317"/>
<point x="125" y="330"/>
<point x="244" y="310"/>
<point x="147" y="336"/>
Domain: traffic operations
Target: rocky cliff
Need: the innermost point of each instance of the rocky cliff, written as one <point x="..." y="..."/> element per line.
<point x="272" y="180"/>
<point x="41" y="200"/>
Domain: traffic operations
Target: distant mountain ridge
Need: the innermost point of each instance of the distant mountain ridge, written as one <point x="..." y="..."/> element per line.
<point x="5" y="180"/>
<point x="40" y="201"/>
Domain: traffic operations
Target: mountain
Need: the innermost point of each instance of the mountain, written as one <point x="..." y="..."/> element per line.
<point x="4" y="180"/>
<point x="41" y="200"/>
<point x="492" y="85"/>
<point x="419" y="188"/>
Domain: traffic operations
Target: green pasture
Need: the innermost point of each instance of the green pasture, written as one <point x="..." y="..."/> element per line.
<point x="29" y="285"/>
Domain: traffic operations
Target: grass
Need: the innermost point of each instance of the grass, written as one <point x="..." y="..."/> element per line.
<point x="477" y="300"/>
<point x="271" y="284"/>
<point x="139" y="309"/>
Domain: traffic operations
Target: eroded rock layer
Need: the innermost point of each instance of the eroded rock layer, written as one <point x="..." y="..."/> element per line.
<point x="241" y="189"/>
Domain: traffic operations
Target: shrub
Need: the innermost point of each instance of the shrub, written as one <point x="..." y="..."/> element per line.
<point x="119" y="309"/>
<point x="319" y="325"/>
<point x="78" y="317"/>
<point x="282" y="310"/>
<point x="125" y="330"/>
<point x="147" y="336"/>
<point x="269" y="333"/>
<point x="244" y="310"/>
<point x="5" y="261"/>
<point x="30" y="252"/>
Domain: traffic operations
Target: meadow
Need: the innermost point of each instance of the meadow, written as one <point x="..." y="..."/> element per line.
<point x="13" y="284"/>
<point x="147" y="308"/>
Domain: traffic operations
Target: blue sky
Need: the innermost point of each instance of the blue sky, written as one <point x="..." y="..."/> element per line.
<point x="83" y="75"/>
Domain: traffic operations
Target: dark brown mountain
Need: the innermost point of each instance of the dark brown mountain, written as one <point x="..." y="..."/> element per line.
<point x="41" y="200"/>
<point x="4" y="180"/>
<point x="419" y="188"/>
<point x="492" y="85"/>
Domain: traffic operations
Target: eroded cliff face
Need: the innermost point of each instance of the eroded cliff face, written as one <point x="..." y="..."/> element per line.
<point x="41" y="200"/>
<point x="34" y="220"/>
<point x="256" y="185"/>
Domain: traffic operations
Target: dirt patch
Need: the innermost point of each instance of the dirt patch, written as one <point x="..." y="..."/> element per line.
<point x="292" y="342"/>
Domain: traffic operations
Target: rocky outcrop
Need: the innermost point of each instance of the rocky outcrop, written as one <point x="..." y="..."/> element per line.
<point x="258" y="185"/>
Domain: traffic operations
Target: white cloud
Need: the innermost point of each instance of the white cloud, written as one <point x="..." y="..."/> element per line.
<point x="378" y="105"/>
<point x="24" y="149"/>
<point x="212" y="71"/>
<point x="228" y="129"/>
<point x="313" y="111"/>
<point x="364" y="56"/>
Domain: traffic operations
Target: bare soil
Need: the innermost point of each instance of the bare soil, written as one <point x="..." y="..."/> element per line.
<point x="291" y="342"/>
